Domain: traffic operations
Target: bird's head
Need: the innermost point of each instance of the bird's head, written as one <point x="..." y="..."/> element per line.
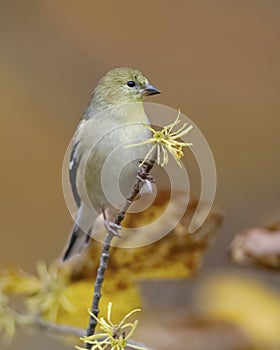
<point x="121" y="86"/>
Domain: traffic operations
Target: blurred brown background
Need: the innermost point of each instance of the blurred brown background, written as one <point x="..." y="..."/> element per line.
<point x="216" y="60"/>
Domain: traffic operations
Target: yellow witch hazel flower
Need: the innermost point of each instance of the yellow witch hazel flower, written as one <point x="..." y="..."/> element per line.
<point x="167" y="141"/>
<point x="51" y="297"/>
<point x="113" y="335"/>
<point x="9" y="319"/>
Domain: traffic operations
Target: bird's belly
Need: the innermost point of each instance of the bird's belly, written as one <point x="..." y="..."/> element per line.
<point x="111" y="168"/>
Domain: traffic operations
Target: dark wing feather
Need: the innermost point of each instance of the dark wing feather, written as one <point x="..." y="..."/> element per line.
<point x="77" y="242"/>
<point x="74" y="163"/>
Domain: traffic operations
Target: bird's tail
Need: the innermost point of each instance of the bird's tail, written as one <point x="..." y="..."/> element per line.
<point x="79" y="239"/>
<point x="77" y="242"/>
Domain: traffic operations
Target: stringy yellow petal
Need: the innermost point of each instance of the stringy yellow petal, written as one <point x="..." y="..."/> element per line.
<point x="166" y="141"/>
<point x="116" y="334"/>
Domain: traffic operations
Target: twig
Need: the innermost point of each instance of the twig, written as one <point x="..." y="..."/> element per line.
<point x="131" y="342"/>
<point x="58" y="328"/>
<point x="103" y="263"/>
<point x="71" y="330"/>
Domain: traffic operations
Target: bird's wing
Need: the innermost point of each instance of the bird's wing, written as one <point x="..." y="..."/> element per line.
<point x="73" y="166"/>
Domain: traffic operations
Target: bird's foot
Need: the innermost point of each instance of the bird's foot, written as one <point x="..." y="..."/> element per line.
<point x="112" y="227"/>
<point x="143" y="176"/>
<point x="146" y="181"/>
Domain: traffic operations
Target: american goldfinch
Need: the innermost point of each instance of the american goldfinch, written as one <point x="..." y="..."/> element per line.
<point x="102" y="169"/>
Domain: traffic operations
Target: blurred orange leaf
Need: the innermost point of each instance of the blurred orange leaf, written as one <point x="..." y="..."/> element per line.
<point x="245" y="302"/>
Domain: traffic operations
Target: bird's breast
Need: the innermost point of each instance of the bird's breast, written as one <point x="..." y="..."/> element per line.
<point x="110" y="165"/>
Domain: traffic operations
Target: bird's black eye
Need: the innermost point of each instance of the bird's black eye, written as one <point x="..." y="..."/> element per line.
<point x="131" y="83"/>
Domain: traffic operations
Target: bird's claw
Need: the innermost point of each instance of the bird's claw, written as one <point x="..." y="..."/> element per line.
<point x="112" y="227"/>
<point x="146" y="181"/>
<point x="143" y="177"/>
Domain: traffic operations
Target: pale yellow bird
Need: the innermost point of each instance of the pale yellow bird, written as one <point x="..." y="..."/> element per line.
<point x="102" y="169"/>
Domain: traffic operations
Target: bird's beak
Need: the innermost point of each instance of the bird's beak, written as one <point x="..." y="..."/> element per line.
<point x="150" y="90"/>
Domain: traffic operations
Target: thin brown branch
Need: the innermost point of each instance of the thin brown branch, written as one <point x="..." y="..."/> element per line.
<point x="131" y="342"/>
<point x="64" y="329"/>
<point x="58" y="328"/>
<point x="143" y="174"/>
